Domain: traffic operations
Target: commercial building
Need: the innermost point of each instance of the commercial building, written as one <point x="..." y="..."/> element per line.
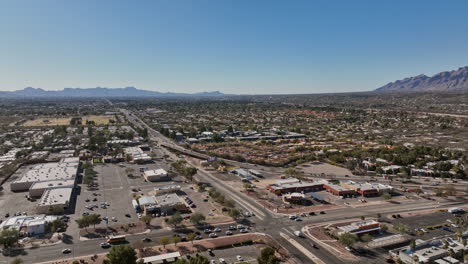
<point x="367" y="189"/>
<point x="294" y="185"/>
<point x="167" y="189"/>
<point x="55" y="198"/>
<point x="156" y="175"/>
<point x="167" y="202"/>
<point x="66" y="169"/>
<point x="29" y="225"/>
<point x="38" y="188"/>
<point x="361" y="227"/>
<point x="339" y="190"/>
<point x="430" y="251"/>
<point x="245" y="175"/>
<point x="137" y="155"/>
<point x="148" y="204"/>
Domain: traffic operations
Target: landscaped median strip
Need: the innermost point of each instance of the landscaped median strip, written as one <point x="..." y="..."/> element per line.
<point x="304" y="250"/>
<point x="214" y="243"/>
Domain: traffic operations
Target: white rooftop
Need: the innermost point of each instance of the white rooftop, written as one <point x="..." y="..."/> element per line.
<point x="53" y="184"/>
<point x="56" y="196"/>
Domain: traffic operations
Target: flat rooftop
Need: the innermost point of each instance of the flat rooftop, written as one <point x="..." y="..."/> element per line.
<point x="53" y="184"/>
<point x="56" y="196"/>
<point x="170" y="199"/>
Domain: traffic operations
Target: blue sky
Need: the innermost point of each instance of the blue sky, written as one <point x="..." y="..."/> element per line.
<point x="234" y="46"/>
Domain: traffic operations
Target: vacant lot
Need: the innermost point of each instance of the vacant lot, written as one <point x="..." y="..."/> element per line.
<point x="65" y="121"/>
<point x="48" y="121"/>
<point x="97" y="119"/>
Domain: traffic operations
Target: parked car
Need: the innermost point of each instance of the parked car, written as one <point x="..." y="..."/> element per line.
<point x="239" y="258"/>
<point x="213" y="235"/>
<point x="228" y="233"/>
<point x="217" y="230"/>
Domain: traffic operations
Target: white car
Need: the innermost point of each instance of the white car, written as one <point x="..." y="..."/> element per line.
<point x="105" y="245"/>
<point x="239" y="258"/>
<point x="114" y="219"/>
<point x="222" y="261"/>
<point x="213" y="235"/>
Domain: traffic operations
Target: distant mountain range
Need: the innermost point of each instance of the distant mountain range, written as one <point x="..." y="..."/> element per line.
<point x="101" y="92"/>
<point x="441" y="82"/>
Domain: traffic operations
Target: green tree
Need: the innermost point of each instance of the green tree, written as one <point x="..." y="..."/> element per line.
<point x="94" y="219"/>
<point x="175" y="220"/>
<point x="386" y="196"/>
<point x="348" y="239"/>
<point x="146" y="219"/>
<point x="83" y="222"/>
<point x="8" y="237"/>
<point x="267" y="256"/>
<point x="164" y="241"/>
<point x="197" y="218"/>
<point x="17" y="260"/>
<point x="122" y="254"/>
<point x="191" y="237"/>
<point x="176" y="240"/>
<point x="366" y="238"/>
<point x="401" y="228"/>
<point x="235" y="213"/>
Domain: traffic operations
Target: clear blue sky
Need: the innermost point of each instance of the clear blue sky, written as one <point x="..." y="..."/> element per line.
<point x="234" y="46"/>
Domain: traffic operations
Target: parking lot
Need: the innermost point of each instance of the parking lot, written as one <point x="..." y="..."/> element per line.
<point x="13" y="202"/>
<point x="425" y="220"/>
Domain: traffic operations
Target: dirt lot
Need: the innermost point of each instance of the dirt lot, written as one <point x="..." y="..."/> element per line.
<point x="65" y="121"/>
<point x="48" y="121"/>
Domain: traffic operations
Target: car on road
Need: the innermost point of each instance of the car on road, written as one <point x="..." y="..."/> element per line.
<point x="232" y="228"/>
<point x="213" y="235"/>
<point x="213" y="261"/>
<point x="87" y="200"/>
<point x="66" y="251"/>
<point x="146" y="239"/>
<point x="114" y="219"/>
<point x="298" y="219"/>
<point x="85" y="213"/>
<point x="128" y="215"/>
<point x="298" y="233"/>
<point x="239" y="258"/>
<point x="292" y="217"/>
<point x="105" y="245"/>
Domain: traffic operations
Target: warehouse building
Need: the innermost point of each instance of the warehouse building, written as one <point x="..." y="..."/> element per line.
<point x="55" y="198"/>
<point x="66" y="169"/>
<point x="156" y="175"/>
<point x="38" y="188"/>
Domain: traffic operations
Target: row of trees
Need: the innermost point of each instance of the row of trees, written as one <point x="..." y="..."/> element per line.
<point x="88" y="220"/>
<point x="183" y="169"/>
